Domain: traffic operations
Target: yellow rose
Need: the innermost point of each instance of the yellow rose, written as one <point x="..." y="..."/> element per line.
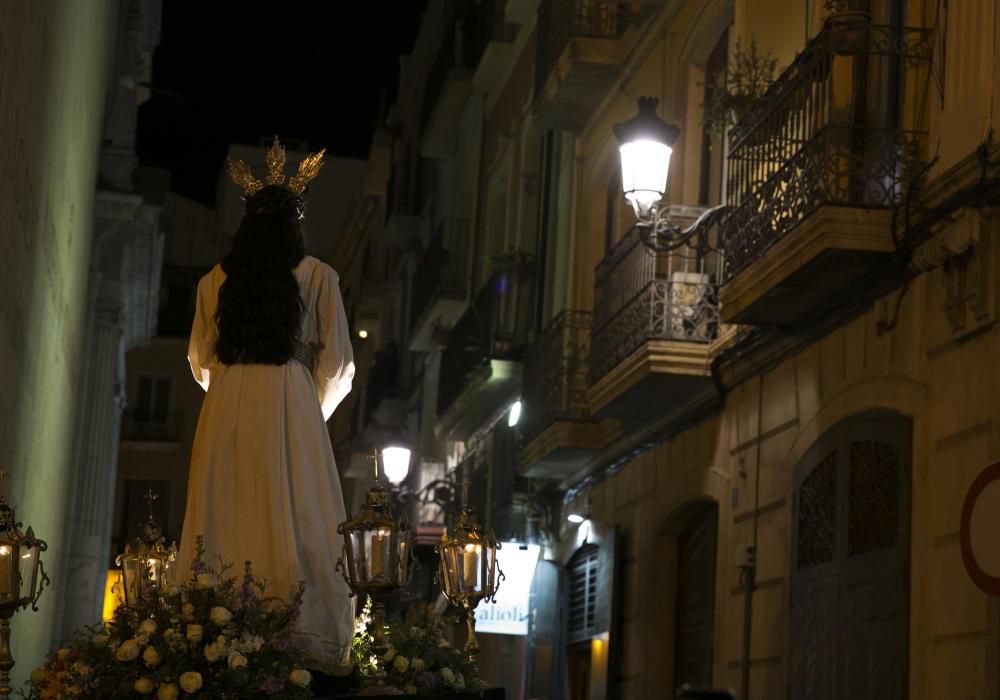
<point x="100" y="640"/>
<point x="300" y="677"/>
<point x="143" y="686"/>
<point x="128" y="651"/>
<point x="187" y="611"/>
<point x="194" y="633"/>
<point x="401" y="664"/>
<point x="417" y="665"/>
<point x="237" y="660"/>
<point x="212" y="652"/>
<point x="220" y="616"/>
<point x="168" y="692"/>
<point x="147" y="627"/>
<point x="62" y="654"/>
<point x="151" y="656"/>
<point x="191" y="681"/>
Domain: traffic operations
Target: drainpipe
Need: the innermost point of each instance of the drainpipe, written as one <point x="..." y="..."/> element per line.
<point x="748" y="570"/>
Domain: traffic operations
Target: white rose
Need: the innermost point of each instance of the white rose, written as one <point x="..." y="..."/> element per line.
<point x="237" y="660"/>
<point x="142" y="639"/>
<point x="62" y="654"/>
<point x="167" y="692"/>
<point x="151" y="656"/>
<point x="147" y="627"/>
<point x="447" y="675"/>
<point x="207" y="581"/>
<point x="128" y="651"/>
<point x="220" y="616"/>
<point x="143" y="686"/>
<point x="100" y="640"/>
<point x="212" y="652"/>
<point x="187" y="611"/>
<point x="390" y="654"/>
<point x="191" y="681"/>
<point x="417" y="665"/>
<point x="401" y="664"/>
<point x="194" y="633"/>
<point x="300" y="677"/>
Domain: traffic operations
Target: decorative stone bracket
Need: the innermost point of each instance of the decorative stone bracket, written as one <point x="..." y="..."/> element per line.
<point x="962" y="249"/>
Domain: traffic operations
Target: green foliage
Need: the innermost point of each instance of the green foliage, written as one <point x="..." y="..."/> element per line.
<point x="748" y="76"/>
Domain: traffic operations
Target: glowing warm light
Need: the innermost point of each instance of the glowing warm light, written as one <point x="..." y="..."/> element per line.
<point x="111" y="599"/>
<point x="645" y="164"/>
<point x="362" y="334"/>
<point x="515" y="414"/>
<point x="396" y="463"/>
<point x="4" y="551"/>
<point x="575" y="518"/>
<point x="471" y="547"/>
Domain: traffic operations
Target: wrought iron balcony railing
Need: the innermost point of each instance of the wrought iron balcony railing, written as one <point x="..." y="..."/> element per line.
<point x="444" y="270"/>
<point x="150" y="426"/>
<point x="827" y="132"/>
<point x="559" y="21"/>
<point x="556" y="375"/>
<point x="641" y="296"/>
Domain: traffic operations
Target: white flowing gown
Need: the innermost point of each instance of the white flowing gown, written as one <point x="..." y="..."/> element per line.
<point x="263" y="485"/>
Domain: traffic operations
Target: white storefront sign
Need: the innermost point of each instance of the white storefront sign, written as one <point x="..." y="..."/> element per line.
<point x="509" y="615"/>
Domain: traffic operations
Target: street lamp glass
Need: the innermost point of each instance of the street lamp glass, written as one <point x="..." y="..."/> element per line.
<point x="515" y="414"/>
<point x="575" y="518"/>
<point x="645" y="164"/>
<point x="396" y="463"/>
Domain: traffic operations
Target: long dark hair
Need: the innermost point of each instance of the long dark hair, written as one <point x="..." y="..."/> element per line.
<point x="260" y="309"/>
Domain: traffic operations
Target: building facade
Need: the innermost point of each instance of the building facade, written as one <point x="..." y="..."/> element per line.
<point x="766" y="435"/>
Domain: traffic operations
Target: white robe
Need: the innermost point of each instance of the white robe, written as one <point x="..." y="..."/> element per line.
<point x="263" y="485"/>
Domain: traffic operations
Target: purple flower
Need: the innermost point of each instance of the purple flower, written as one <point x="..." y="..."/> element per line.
<point x="271" y="685"/>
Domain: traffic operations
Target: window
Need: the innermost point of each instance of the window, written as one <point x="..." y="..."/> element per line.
<point x="152" y="403"/>
<point x="710" y="183"/>
<point x="583" y="593"/>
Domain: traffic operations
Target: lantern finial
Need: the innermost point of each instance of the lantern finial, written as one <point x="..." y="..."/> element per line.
<point x="150" y="498"/>
<point x="374" y="458"/>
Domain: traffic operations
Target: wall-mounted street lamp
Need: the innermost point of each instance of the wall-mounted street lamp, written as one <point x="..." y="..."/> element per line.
<point x="646" y="143"/>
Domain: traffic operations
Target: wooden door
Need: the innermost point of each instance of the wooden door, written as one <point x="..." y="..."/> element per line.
<point x="695" y="611"/>
<point x="848" y="636"/>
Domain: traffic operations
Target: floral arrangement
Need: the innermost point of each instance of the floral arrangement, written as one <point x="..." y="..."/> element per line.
<point x="420" y="659"/>
<point x="213" y="637"/>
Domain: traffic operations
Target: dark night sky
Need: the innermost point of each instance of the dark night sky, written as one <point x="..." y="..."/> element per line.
<point x="234" y="72"/>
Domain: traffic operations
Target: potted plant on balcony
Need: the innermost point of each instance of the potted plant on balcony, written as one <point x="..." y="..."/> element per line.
<point x="749" y="75"/>
<point x="845" y="12"/>
<point x="513" y="265"/>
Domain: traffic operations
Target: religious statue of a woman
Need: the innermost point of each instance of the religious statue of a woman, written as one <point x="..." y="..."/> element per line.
<point x="271" y="347"/>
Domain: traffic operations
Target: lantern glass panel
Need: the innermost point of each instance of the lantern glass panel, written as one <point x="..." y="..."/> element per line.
<point x="403" y="562"/>
<point x="378" y="543"/>
<point x="131" y="573"/>
<point x="9" y="573"/>
<point x="645" y="164"/>
<point x="358" y="571"/>
<point x="28" y="568"/>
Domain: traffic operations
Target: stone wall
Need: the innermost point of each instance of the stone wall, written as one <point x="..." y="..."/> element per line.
<point x="54" y="66"/>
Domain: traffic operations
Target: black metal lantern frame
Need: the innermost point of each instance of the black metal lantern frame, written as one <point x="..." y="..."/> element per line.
<point x="147" y="565"/>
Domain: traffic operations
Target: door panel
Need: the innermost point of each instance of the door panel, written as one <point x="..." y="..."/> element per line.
<point x="695" y="631"/>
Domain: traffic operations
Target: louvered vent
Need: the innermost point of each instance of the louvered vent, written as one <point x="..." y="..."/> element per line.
<point x="582" y="592"/>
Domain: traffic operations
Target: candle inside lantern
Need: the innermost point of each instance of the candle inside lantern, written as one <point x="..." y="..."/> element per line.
<point x="6" y="580"/>
<point x="380" y="553"/>
<point x="470" y="567"/>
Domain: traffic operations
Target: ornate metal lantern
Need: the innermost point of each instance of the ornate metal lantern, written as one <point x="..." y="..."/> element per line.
<point x="147" y="564"/>
<point x="22" y="578"/>
<point x="468" y="572"/>
<point x="646" y="143"/>
<point x="376" y="560"/>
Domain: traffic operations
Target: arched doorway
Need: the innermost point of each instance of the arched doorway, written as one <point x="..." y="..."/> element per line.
<point x="848" y="635"/>
<point x="694" y="632"/>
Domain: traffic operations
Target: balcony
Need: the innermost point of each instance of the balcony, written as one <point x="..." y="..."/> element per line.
<point x="654" y="317"/>
<point x="580" y="53"/>
<point x="559" y="433"/>
<point x="491" y="42"/>
<point x="481" y="364"/>
<point x="440" y="289"/>
<point x="815" y="168"/>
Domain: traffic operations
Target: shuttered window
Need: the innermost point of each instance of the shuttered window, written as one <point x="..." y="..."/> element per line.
<point x="583" y="593"/>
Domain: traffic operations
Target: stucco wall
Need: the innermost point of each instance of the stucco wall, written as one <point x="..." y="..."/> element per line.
<point x="54" y="63"/>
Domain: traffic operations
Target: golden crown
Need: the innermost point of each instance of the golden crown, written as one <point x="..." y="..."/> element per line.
<point x="243" y="176"/>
